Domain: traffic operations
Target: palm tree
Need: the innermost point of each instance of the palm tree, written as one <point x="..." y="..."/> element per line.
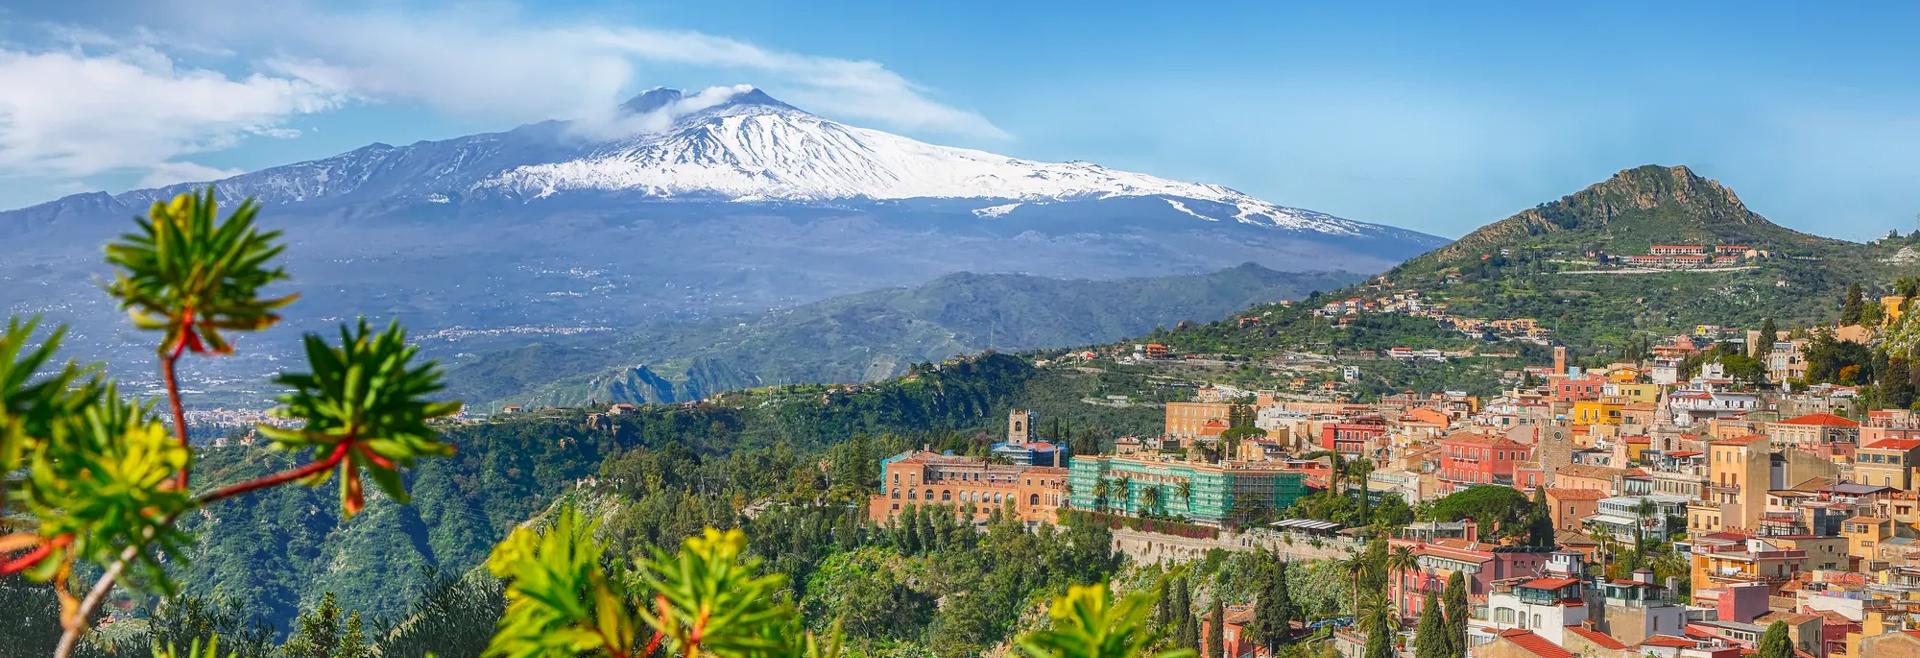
<point x="1645" y="511"/>
<point x="1186" y="494"/>
<point x="1401" y="560"/>
<point x="1101" y="490"/>
<point x="1125" y="486"/>
<point x="1607" y="548"/>
<point x="1357" y="564"/>
<point x="1149" y="501"/>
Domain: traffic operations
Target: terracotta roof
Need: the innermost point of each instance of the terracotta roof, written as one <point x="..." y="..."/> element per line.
<point x="1590" y="471"/>
<point x="1822" y="420"/>
<point x="1576" y="494"/>
<point x="1603" y="640"/>
<point x="1549" y="583"/>
<point x="1894" y="444"/>
<point x="1741" y="440"/>
<point x="1534" y="644"/>
<point x="1666" y="641"/>
<point x="1792" y="618"/>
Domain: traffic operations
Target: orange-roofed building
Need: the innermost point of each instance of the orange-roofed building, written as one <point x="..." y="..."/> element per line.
<point x="1887" y="462"/>
<point x="1583" y="641"/>
<point x="1569" y="507"/>
<point x="1473" y="458"/>
<point x="1521" y="643"/>
<point x="1813" y="430"/>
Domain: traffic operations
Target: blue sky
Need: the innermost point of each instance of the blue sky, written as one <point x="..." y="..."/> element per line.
<point x="1431" y="117"/>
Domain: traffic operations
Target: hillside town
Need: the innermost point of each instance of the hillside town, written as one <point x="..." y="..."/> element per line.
<point x="1688" y="508"/>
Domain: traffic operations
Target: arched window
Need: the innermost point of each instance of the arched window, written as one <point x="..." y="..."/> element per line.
<point x="896" y="494"/>
<point x="946" y="495"/>
<point x="911" y="493"/>
<point x="1033" y="499"/>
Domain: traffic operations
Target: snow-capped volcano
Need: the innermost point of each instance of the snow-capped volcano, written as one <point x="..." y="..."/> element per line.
<point x="750" y="147"/>
<point x="683" y="207"/>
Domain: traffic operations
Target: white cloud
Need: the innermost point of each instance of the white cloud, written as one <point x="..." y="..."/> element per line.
<point x="76" y="112"/>
<point x="168" y="173"/>
<point x="88" y="102"/>
<point x="613" y="124"/>
<point x="501" y="65"/>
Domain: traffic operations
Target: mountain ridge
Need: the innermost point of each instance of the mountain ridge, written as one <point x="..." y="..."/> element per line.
<point x="1719" y="212"/>
<point x="745" y="147"/>
<point x="873" y="335"/>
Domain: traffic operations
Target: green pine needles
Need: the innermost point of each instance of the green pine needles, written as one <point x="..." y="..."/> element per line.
<point x="706" y="599"/>
<point x="363" y="410"/>
<point x="1087" y="623"/>
<point x="184" y="273"/>
<point x="105" y="481"/>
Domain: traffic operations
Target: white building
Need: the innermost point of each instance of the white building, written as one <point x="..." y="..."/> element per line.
<point x="1546" y="605"/>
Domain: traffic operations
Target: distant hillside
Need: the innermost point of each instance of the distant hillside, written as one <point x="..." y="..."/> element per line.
<point x="1542" y="263"/>
<point x="868" y="336"/>
<point x="1545" y="263"/>
<point x="1626" y="214"/>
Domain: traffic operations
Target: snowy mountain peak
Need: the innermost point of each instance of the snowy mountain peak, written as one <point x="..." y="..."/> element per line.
<point x="737" y="143"/>
<point x="741" y="144"/>
<point x="675" y="103"/>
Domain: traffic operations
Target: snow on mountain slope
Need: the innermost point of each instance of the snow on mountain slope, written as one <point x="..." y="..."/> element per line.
<point x="758" y="150"/>
<point x="734" y="145"/>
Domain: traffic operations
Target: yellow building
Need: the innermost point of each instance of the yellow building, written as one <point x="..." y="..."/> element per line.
<point x="1187" y="420"/>
<point x="1738" y="471"/>
<point x="1718" y="563"/>
<point x="1635" y="393"/>
<point x="1864" y="535"/>
<point x="1887" y="462"/>
<point x="1596" y="412"/>
<point x="1891" y="306"/>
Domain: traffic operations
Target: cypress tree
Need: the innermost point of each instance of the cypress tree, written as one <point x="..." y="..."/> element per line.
<point x="1539" y="520"/>
<point x="910" y="531"/>
<point x="1454" y="605"/>
<point x="1855" y="305"/>
<point x="1775" y="643"/>
<point x="318" y="635"/>
<point x="1187" y="636"/>
<point x="1430" y="638"/>
<point x="1216" y="630"/>
<point x="1273" y="618"/>
<point x="352" y="644"/>
<point x="1379" y="633"/>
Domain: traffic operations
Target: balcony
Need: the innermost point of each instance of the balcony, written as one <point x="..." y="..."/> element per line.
<point x="1744" y="577"/>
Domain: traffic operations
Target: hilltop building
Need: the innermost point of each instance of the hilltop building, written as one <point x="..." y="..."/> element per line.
<point x="1202" y="492"/>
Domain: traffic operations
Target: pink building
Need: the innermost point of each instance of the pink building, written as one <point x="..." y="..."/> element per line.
<point x="1481" y="563"/>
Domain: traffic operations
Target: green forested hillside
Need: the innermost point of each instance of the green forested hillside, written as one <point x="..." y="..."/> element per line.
<point x="1545" y="263"/>
<point x="868" y="336"/>
<point x="277" y="551"/>
<point x="1541" y="263"/>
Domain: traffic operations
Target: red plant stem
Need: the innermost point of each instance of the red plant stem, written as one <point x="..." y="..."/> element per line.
<point x="27" y="559"/>
<point x="172" y="380"/>
<point x="283" y="477"/>
<point x="101" y="587"/>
